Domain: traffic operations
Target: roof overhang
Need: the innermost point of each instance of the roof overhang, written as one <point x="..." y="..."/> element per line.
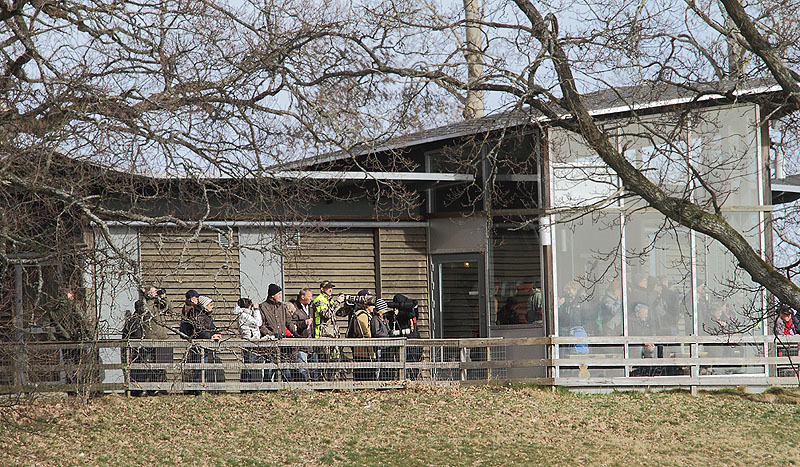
<point x="378" y="176"/>
<point x="785" y="190"/>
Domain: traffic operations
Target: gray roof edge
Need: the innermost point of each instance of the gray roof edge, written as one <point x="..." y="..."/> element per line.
<point x="624" y="99"/>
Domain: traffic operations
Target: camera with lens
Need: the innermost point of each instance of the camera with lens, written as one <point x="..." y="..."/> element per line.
<point x="364" y="300"/>
<point x="161" y="292"/>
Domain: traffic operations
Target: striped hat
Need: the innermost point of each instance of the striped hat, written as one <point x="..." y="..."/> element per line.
<point x="380" y="305"/>
<point x="204" y="301"/>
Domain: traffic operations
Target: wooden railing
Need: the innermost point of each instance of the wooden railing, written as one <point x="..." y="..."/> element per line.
<point x="240" y="365"/>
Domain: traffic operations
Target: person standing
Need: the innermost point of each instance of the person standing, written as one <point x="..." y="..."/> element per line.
<point x="275" y="317"/>
<point x="302" y="316"/>
<point x="276" y="321"/>
<point x="198" y="323"/>
<point x="248" y="318"/>
<point x="360" y="327"/>
<point x="379" y="328"/>
<point x="191" y="308"/>
<point x="151" y="309"/>
<point x="326" y="308"/>
<point x="784" y="324"/>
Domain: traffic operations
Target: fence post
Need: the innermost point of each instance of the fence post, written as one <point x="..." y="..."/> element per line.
<point x="402" y="355"/>
<point x="488" y="359"/>
<point x="695" y="368"/>
<point x="463" y="358"/>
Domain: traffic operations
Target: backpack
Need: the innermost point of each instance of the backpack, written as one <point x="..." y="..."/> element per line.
<point x="353" y="322"/>
<point x="133" y="328"/>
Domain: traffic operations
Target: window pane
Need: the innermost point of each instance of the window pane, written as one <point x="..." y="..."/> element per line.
<point x="580" y="177"/>
<point x="723" y="151"/>
<point x="588" y="267"/>
<point x="728" y="301"/>
<point x="657" y="276"/>
<point x="658" y="148"/>
<point x="516" y="296"/>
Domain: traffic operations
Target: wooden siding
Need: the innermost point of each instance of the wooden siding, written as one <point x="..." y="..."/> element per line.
<point x="404" y="268"/>
<point x="348" y="259"/>
<point x="344" y="257"/>
<point x="176" y="262"/>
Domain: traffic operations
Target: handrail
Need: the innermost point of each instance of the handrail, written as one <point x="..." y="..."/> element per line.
<point x="177" y="364"/>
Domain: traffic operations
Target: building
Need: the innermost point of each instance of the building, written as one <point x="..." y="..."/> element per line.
<point x="507" y="227"/>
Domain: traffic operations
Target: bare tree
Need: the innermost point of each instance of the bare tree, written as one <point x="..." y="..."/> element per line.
<point x="173" y="114"/>
<point x="97" y="98"/>
<point x="553" y="63"/>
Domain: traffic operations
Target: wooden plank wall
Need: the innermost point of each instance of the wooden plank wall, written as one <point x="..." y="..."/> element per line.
<point x="176" y="262"/>
<point x="345" y="257"/>
<point x="404" y="268"/>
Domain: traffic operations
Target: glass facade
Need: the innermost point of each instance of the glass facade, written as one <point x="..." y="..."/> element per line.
<point x="623" y="269"/>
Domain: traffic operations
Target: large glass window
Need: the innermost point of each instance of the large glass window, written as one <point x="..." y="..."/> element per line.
<point x="580" y="177"/>
<point x="658" y="148"/>
<point x="658" y="276"/>
<point x="516" y="293"/>
<point x="722" y="146"/>
<point x="588" y="265"/>
<point x="727" y="299"/>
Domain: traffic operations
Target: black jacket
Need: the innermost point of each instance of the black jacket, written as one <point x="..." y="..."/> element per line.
<point x="197" y="323"/>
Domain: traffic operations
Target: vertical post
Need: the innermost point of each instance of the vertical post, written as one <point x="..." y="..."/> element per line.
<point x="463" y="358"/>
<point x="695" y="368"/>
<point x="377" y="249"/>
<point x="203" y="357"/>
<point x="20" y="356"/>
<point x="488" y="359"/>
<point x="402" y="357"/>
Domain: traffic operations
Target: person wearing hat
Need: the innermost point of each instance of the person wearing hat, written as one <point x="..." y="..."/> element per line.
<point x="325" y="310"/>
<point x="198" y="323"/>
<point x="784" y="324"/>
<point x="359" y="327"/>
<point x="191" y="308"/>
<point x="276" y="319"/>
<point x="379" y="328"/>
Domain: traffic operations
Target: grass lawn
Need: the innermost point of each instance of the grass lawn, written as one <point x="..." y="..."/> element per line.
<point x="417" y="426"/>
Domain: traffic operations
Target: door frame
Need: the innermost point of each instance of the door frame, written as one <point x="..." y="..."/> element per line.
<point x="436" y="295"/>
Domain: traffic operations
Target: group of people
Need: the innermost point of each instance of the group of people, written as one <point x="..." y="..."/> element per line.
<point x="655" y="307"/>
<point x="304" y="316"/>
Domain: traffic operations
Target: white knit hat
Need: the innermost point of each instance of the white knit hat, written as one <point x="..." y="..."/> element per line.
<point x="204" y="301"/>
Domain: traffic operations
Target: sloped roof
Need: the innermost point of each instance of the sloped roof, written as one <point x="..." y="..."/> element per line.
<point x="605" y="102"/>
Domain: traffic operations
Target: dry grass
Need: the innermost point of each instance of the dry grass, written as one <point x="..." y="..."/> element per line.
<point x="419" y="426"/>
